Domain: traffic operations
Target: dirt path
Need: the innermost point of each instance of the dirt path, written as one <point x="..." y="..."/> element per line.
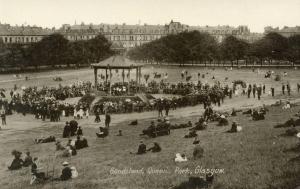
<point x="20" y="123"/>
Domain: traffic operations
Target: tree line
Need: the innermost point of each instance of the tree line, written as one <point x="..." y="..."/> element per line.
<point x="55" y="50"/>
<point x="196" y="47"/>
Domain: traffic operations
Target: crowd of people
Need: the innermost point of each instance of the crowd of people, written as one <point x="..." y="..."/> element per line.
<point x="44" y="104"/>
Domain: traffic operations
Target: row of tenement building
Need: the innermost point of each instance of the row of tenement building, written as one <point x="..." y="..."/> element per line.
<point x="128" y="36"/>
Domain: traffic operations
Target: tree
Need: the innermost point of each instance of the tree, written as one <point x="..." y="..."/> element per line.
<point x="233" y="49"/>
<point x="51" y="50"/>
<point x="99" y="48"/>
<point x="292" y="53"/>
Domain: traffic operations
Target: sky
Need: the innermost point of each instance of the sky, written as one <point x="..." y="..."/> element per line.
<point x="256" y="14"/>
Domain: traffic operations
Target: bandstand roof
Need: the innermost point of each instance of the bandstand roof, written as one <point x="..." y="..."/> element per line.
<point x="116" y="62"/>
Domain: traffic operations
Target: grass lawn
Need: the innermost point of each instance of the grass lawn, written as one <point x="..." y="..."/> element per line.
<point x="70" y="76"/>
<point x="253" y="158"/>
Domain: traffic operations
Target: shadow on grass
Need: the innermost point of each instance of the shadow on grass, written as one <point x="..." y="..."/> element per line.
<point x="295" y="149"/>
<point x="193" y="183"/>
<point x="290" y="177"/>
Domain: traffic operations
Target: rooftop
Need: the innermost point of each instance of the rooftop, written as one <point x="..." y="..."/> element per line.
<point x="116" y="62"/>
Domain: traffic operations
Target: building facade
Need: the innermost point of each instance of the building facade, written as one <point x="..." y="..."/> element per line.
<point x="122" y="36"/>
<point x="285" y="31"/>
<point x="22" y="34"/>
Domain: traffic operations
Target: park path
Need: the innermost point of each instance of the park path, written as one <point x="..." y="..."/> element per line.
<point x="20" y="123"/>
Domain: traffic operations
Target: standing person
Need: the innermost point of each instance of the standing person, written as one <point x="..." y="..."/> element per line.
<point x="87" y="114"/>
<point x="160" y="108"/>
<point x="107" y="119"/>
<point x="230" y="93"/>
<point x="249" y="90"/>
<point x="259" y="90"/>
<point x="288" y="88"/>
<point x="97" y="116"/>
<point x="298" y="87"/>
<point x="283" y="88"/>
<point x="3" y="117"/>
<point x="167" y="107"/>
<point x="264" y="88"/>
<point x="67" y="130"/>
<point x="254" y="90"/>
<point x="272" y="91"/>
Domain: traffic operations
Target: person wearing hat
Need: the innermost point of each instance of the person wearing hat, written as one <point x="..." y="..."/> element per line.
<point x="67" y="130"/>
<point x="66" y="172"/>
<point x="17" y="163"/>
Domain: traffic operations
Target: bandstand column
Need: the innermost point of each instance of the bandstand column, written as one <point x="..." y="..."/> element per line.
<point x="137" y="76"/>
<point x="96" y="77"/>
<point x="128" y="81"/>
<point x="105" y="75"/>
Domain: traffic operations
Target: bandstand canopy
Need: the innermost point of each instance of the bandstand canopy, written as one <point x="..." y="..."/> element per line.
<point x="116" y="62"/>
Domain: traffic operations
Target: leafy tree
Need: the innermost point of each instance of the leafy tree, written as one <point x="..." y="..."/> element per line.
<point x="292" y="53"/>
<point x="233" y="49"/>
<point x="51" y="50"/>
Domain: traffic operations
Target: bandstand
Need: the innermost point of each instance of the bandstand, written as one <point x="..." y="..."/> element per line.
<point x="118" y="62"/>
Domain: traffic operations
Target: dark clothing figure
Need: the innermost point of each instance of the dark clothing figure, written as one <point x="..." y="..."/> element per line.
<point x="155" y="148"/>
<point x="291" y="131"/>
<point x="28" y="161"/>
<point x="34" y="171"/>
<point x="79" y="144"/>
<point x="16" y="164"/>
<point x="79" y="131"/>
<point x="107" y="120"/>
<point x="67" y="131"/>
<point x="97" y="117"/>
<point x="283" y="89"/>
<point x="142" y="149"/>
<point x="259" y="90"/>
<point x="288" y="87"/>
<point x="249" y="91"/>
<point x="66" y="174"/>
<point x="254" y="90"/>
<point x="167" y="108"/>
<point x="191" y="134"/>
<point x="45" y="140"/>
<point x="272" y="91"/>
<point x="233" y="128"/>
<point x="3" y="118"/>
<point x="103" y="132"/>
<point x="73" y="127"/>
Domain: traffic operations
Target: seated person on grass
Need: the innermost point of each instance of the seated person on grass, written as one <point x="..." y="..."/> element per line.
<point x="155" y="148"/>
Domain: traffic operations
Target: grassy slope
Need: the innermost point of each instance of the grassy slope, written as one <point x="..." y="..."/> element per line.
<point x="252" y="159"/>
